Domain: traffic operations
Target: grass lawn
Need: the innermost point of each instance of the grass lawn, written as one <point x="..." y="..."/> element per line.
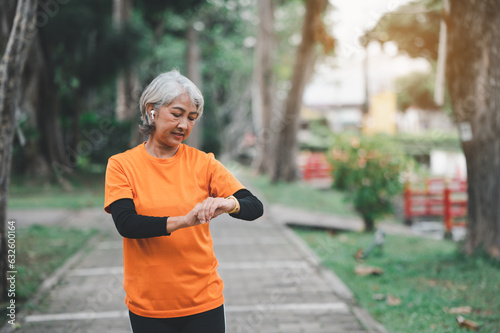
<point x="428" y="277"/>
<point x="87" y="190"/>
<point x="40" y="250"/>
<point x="301" y="195"/>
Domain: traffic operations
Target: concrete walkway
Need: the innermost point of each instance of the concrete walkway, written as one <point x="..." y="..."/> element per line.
<point x="273" y="282"/>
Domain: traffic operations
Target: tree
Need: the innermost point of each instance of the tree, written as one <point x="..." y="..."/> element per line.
<point x="11" y="68"/>
<point x="127" y="81"/>
<point x="368" y="169"/>
<point x="226" y="73"/>
<point x="414" y="27"/>
<point x="193" y="64"/>
<point x="416" y="89"/>
<point x="64" y="65"/>
<point x="313" y="31"/>
<point x="473" y="78"/>
<point x="263" y="89"/>
<point x="472" y="75"/>
<point x="45" y="146"/>
<point x="216" y="30"/>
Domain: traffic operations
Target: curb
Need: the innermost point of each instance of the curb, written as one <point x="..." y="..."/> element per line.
<point x="334" y="282"/>
<point x="51" y="281"/>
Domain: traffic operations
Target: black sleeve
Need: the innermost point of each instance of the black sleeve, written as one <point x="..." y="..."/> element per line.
<point x="250" y="206"/>
<point x="131" y="225"/>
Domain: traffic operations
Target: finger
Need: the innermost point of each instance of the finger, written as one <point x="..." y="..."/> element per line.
<point x="201" y="215"/>
<point x="202" y="212"/>
<point x="192" y="217"/>
<point x="210" y="206"/>
<point x="213" y="206"/>
<point x="207" y="208"/>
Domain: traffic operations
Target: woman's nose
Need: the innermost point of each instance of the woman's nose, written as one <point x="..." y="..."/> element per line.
<point x="182" y="122"/>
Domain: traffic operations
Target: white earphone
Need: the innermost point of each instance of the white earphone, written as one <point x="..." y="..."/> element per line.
<point x="153" y="114"/>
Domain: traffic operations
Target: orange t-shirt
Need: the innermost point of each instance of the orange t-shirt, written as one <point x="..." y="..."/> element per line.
<point x="176" y="275"/>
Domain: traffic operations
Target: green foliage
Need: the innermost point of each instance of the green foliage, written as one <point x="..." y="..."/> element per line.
<point x="289" y="16"/>
<point x="104" y="135"/>
<point x="225" y="63"/>
<point x="414" y="27"/>
<point x="227" y="66"/>
<point x="84" y="48"/>
<point x="85" y="190"/>
<point x="83" y="55"/>
<point x="416" y="89"/>
<point x="369" y="169"/>
<point x="155" y="9"/>
<point x="423" y="144"/>
<point x="41" y="250"/>
<point x="428" y="276"/>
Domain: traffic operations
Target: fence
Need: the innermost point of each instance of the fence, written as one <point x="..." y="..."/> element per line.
<point x="437" y="197"/>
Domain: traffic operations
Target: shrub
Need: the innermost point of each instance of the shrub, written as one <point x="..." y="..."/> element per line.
<point x="369" y="169"/>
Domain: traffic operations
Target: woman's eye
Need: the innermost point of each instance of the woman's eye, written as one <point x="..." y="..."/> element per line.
<point x="192" y="119"/>
<point x="176" y="115"/>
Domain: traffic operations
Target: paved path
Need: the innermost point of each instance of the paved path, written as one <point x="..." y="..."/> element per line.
<point x="273" y="282"/>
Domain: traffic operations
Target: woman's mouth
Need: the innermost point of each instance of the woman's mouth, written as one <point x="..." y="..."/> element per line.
<point x="178" y="135"/>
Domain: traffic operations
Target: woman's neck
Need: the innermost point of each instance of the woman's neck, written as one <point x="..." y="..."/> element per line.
<point x="160" y="151"/>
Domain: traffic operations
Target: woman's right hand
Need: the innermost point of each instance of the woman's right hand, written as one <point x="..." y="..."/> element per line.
<point x="202" y="213"/>
<point x="191" y="219"/>
<point x="179" y="222"/>
<point x="207" y="210"/>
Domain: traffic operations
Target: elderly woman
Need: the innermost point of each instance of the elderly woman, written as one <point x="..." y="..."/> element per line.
<point x="162" y="195"/>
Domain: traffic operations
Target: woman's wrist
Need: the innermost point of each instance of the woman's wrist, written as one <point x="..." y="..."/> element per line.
<point x="175" y="223"/>
<point x="236" y="207"/>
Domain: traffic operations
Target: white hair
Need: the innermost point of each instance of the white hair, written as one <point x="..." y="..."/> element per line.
<point x="163" y="90"/>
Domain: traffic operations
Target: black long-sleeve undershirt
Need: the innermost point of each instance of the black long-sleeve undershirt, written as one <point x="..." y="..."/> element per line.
<point x="132" y="225"/>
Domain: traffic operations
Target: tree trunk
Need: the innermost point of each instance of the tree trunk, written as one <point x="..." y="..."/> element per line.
<point x="126" y="96"/>
<point x="264" y="87"/>
<point x="285" y="168"/>
<point x="127" y="86"/>
<point x="39" y="102"/>
<point x="7" y="13"/>
<point x="11" y="67"/>
<point x="51" y="138"/>
<point x="473" y="76"/>
<point x="45" y="152"/>
<point x="193" y="61"/>
<point x="122" y="11"/>
<point x="369" y="223"/>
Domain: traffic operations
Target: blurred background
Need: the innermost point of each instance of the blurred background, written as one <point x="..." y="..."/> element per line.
<point x="380" y="112"/>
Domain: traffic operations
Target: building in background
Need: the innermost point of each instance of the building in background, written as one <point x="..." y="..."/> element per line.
<point x="382" y="114"/>
<point x="338" y="95"/>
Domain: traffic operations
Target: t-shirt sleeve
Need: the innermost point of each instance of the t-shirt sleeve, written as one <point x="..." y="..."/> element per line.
<point x="222" y="182"/>
<point x="117" y="185"/>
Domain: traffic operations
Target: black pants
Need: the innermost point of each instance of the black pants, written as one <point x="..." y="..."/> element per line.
<point x="212" y="321"/>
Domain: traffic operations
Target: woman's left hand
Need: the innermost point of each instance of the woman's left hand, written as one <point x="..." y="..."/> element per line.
<point x="210" y="208"/>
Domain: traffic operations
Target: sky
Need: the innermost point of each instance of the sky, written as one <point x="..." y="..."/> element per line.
<point x="351" y="18"/>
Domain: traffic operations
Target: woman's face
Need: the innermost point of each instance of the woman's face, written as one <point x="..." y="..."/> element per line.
<point x="174" y="121"/>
